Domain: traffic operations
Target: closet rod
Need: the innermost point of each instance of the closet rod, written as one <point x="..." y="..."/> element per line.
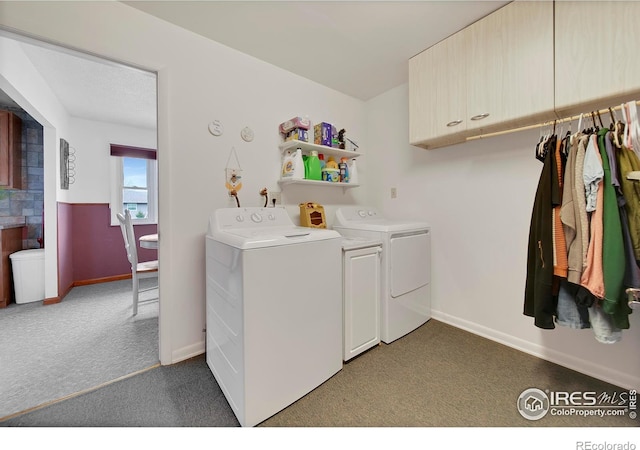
<point x="544" y="124"/>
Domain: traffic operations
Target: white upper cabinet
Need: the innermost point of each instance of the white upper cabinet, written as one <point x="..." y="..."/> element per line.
<point x="496" y="73"/>
<point x="437" y="91"/>
<point x="596" y="55"/>
<point x="510" y="81"/>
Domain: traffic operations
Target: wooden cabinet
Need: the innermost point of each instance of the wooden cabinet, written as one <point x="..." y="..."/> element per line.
<point x="10" y="242"/>
<point x="437" y="92"/>
<point x="494" y="74"/>
<point x="361" y="299"/>
<point x="510" y="68"/>
<point x="10" y="151"/>
<point x="596" y="55"/>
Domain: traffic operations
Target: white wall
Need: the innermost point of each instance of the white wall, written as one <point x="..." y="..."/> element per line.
<point x="91" y="141"/>
<point x="478" y="198"/>
<point x="198" y="81"/>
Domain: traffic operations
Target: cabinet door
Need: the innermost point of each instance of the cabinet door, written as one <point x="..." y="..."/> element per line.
<point x="361" y="300"/>
<point x="10" y="151"/>
<point x="437" y="98"/>
<point x="511" y="67"/>
<point x="596" y="58"/>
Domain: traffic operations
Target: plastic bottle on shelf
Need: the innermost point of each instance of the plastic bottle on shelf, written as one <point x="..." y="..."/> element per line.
<point x="298" y="165"/>
<point x="323" y="164"/>
<point x="353" y="172"/>
<point x="287" y="166"/>
<point x="313" y="164"/>
<point x="344" y="170"/>
<point x="331" y="163"/>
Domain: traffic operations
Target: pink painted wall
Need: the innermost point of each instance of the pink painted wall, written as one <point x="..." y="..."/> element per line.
<point x="65" y="248"/>
<point x="96" y="247"/>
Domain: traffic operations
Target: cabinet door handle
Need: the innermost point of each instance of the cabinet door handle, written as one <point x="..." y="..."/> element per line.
<point x="453" y="123"/>
<point x="480" y="116"/>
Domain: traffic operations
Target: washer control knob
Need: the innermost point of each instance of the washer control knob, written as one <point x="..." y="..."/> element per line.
<point x="257" y="218"/>
<point x="272" y="217"/>
<point x="239" y="218"/>
<point x="362" y="213"/>
<point x="371" y="213"/>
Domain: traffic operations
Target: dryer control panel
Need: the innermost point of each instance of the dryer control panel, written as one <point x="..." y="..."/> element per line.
<point x="357" y="214"/>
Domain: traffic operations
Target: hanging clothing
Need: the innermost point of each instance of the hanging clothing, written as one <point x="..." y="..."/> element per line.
<point x="539" y="301"/>
<point x="613" y="260"/>
<point x="593" y="275"/>
<point x="560" y="263"/>
<point x="631" y="270"/>
<point x="569" y="214"/>
<point x="628" y="161"/>
<point x="580" y="199"/>
<point x="592" y="173"/>
<point x="584" y="240"/>
<point x="603" y="326"/>
<point x="569" y="313"/>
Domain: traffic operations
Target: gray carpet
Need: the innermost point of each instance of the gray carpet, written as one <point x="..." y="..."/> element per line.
<point x="50" y="352"/>
<point x="437" y="376"/>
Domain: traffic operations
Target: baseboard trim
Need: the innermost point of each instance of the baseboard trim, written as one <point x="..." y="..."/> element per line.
<point x="187" y="352"/>
<point x="101" y="280"/>
<point x="603" y="373"/>
<point x="52" y="300"/>
<point x="59" y="298"/>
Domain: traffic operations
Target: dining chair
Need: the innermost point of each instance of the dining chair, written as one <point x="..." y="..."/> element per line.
<point x="139" y="270"/>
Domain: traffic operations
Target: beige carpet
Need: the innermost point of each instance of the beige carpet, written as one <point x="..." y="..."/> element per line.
<point x="440" y="376"/>
<point x="437" y="376"/>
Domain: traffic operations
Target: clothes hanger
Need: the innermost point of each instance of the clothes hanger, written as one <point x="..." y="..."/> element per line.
<point x="600" y="119"/>
<point x="574" y="136"/>
<point x="613" y="120"/>
<point x="541" y="148"/>
<point x="615" y="128"/>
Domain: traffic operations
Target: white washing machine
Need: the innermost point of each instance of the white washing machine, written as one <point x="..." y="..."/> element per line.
<point x="274" y="309"/>
<point x="406" y="266"/>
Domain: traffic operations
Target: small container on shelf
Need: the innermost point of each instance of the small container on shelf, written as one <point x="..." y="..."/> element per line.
<point x="344" y="170"/>
<point x="331" y="175"/>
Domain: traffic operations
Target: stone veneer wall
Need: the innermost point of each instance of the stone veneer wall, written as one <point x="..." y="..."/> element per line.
<point x="28" y="203"/>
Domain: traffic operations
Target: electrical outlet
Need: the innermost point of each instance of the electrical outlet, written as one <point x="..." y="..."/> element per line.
<point x="394" y="193"/>
<point x="275" y="195"/>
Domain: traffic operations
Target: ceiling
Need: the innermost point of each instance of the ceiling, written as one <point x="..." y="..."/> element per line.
<point x="359" y="48"/>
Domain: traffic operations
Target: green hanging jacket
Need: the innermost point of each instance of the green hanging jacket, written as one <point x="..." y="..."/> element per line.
<point x="613" y="257"/>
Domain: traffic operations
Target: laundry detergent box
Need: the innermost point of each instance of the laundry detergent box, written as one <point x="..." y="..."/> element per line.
<point x="291" y="124"/>
<point x="297" y="134"/>
<point x="322" y="134"/>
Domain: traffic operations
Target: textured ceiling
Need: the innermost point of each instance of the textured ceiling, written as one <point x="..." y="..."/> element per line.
<point x="96" y="89"/>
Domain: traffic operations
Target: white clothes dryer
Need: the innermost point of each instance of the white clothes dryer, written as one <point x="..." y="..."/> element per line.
<point x="273" y="309"/>
<point x="406" y="266"/>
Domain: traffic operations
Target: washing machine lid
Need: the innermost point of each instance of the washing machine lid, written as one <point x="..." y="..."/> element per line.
<point x="250" y="228"/>
<point x="369" y="219"/>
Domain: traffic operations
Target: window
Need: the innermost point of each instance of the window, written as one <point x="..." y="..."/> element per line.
<point x="134" y="184"/>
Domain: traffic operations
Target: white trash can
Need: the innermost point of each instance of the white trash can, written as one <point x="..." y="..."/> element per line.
<point x="28" y="275"/>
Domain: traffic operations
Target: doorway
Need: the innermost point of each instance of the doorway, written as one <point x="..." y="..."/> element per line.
<point x="87" y="101"/>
